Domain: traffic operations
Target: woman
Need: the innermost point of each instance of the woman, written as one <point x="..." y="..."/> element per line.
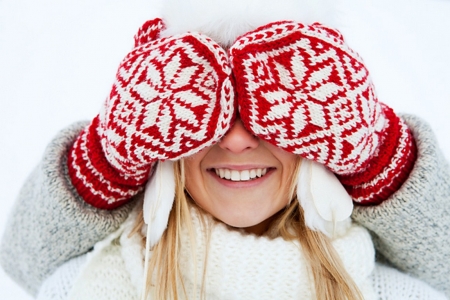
<point x="299" y="90"/>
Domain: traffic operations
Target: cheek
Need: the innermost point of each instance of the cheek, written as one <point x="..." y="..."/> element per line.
<point x="191" y="173"/>
<point x="194" y="182"/>
<point x="290" y="163"/>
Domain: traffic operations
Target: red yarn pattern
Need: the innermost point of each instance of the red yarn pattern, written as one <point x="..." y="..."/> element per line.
<point x="298" y="87"/>
<point x="148" y="32"/>
<point x="94" y="178"/>
<point x="304" y="90"/>
<point x="172" y="97"/>
<point x="388" y="169"/>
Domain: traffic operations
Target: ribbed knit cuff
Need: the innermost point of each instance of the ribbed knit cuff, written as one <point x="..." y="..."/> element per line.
<point x="100" y="184"/>
<point x="388" y="169"/>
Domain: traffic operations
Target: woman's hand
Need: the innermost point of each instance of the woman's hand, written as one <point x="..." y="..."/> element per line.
<point x="172" y="97"/>
<point x="303" y="89"/>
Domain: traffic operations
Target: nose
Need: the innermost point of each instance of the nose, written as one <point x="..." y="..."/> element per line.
<point x="238" y="139"/>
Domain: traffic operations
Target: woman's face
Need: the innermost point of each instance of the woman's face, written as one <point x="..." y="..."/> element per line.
<point x="242" y="180"/>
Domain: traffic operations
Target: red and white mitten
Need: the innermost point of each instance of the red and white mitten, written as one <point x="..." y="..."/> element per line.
<point x="304" y="90"/>
<point x="171" y="98"/>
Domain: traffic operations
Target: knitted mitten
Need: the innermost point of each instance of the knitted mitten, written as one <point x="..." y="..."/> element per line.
<point x="303" y="89"/>
<point x="172" y="97"/>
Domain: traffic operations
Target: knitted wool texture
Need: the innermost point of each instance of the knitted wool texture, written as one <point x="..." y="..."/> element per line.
<point x="298" y="87"/>
<point x="304" y="90"/>
<point x="236" y="267"/>
<point x="239" y="266"/>
<point x="172" y="97"/>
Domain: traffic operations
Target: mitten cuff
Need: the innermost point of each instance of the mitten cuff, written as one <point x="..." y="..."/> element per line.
<point x="389" y="167"/>
<point x="100" y="184"/>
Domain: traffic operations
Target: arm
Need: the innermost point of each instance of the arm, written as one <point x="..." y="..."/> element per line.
<point x="50" y="223"/>
<point x="411" y="228"/>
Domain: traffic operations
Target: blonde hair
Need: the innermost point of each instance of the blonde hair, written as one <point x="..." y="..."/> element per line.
<point x="331" y="280"/>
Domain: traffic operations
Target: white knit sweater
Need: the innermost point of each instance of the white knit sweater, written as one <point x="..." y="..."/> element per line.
<point x="239" y="266"/>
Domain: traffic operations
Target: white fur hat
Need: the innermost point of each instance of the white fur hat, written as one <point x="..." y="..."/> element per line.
<point x="225" y="20"/>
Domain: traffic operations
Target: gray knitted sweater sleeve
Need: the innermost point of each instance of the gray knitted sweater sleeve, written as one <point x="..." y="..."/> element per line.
<point x="411" y="230"/>
<point x="50" y="223"/>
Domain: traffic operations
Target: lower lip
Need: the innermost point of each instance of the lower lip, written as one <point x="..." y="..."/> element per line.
<point x="242" y="184"/>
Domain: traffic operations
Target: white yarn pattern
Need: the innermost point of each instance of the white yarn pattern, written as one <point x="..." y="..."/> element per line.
<point x="242" y="266"/>
<point x="391" y="284"/>
<point x="59" y="284"/>
<point x="239" y="267"/>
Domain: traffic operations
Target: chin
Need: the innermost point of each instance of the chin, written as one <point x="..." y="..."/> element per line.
<point x="247" y="222"/>
<point x="238" y="220"/>
<point x="242" y="224"/>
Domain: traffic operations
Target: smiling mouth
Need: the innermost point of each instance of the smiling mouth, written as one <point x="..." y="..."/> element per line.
<point x="242" y="175"/>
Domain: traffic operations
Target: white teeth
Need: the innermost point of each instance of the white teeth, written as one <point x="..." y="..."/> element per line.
<point x="227" y="174"/>
<point x="258" y="172"/>
<point x="244" y="175"/>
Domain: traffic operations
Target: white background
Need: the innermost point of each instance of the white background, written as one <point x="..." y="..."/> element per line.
<point x="59" y="58"/>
